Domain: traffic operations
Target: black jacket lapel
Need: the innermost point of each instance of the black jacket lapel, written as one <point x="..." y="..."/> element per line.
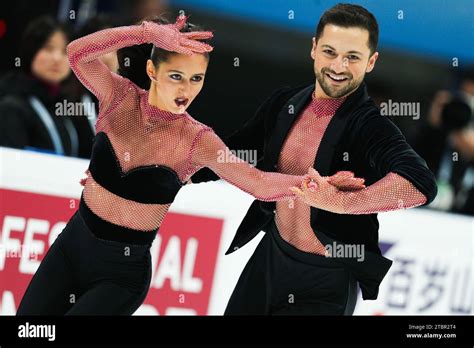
<point x="285" y="119"/>
<point x="335" y="129"/>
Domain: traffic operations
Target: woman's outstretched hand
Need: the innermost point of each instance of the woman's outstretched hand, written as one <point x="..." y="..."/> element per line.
<point x="170" y="38"/>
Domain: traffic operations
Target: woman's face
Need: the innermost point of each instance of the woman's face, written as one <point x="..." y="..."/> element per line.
<point x="50" y="63"/>
<point x="177" y="81"/>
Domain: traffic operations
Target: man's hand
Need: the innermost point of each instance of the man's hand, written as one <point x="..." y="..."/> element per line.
<point x="345" y="181"/>
<point x="327" y="193"/>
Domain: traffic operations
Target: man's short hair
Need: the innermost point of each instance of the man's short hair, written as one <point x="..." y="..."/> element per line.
<point x="349" y="15"/>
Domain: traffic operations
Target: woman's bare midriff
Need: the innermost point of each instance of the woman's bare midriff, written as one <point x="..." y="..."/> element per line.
<point x="120" y="211"/>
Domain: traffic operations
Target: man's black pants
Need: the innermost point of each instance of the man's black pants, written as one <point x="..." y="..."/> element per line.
<point x="282" y="280"/>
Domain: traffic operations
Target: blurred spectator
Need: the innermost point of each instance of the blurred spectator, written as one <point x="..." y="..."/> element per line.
<point x="29" y="96"/>
<point x="446" y="142"/>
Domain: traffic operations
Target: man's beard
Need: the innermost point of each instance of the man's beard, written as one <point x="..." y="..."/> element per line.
<point x="337" y="92"/>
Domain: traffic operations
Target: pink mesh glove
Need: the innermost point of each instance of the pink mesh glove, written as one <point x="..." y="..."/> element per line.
<point x="170" y="38"/>
<point x="390" y="193"/>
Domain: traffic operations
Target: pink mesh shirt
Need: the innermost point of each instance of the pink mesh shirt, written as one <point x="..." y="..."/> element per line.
<point x="143" y="136"/>
<point x="293" y="220"/>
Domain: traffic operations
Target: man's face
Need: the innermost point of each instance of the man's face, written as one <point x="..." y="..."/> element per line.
<point x="341" y="59"/>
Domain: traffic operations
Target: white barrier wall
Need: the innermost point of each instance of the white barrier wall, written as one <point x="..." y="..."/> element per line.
<point x="432" y="252"/>
<point x="432" y="272"/>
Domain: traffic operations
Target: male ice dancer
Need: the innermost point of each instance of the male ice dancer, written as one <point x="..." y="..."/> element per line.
<point x="317" y="248"/>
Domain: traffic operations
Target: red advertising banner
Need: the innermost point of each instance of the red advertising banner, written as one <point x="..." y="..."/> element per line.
<point x="184" y="253"/>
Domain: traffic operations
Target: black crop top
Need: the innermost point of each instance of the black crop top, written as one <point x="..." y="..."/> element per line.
<point x="154" y="184"/>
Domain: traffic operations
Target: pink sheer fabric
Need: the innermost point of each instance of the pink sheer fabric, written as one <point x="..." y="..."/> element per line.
<point x="293" y="220"/>
<point x="392" y="192"/>
<point x="143" y="135"/>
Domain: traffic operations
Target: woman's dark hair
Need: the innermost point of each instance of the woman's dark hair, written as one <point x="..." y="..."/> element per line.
<point x="132" y="60"/>
<point x="35" y="36"/>
<point x="350" y="15"/>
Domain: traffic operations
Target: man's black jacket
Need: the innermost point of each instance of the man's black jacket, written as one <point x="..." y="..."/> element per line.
<point x="358" y="139"/>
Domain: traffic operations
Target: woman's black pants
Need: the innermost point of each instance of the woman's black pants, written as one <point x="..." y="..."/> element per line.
<point x="92" y="268"/>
